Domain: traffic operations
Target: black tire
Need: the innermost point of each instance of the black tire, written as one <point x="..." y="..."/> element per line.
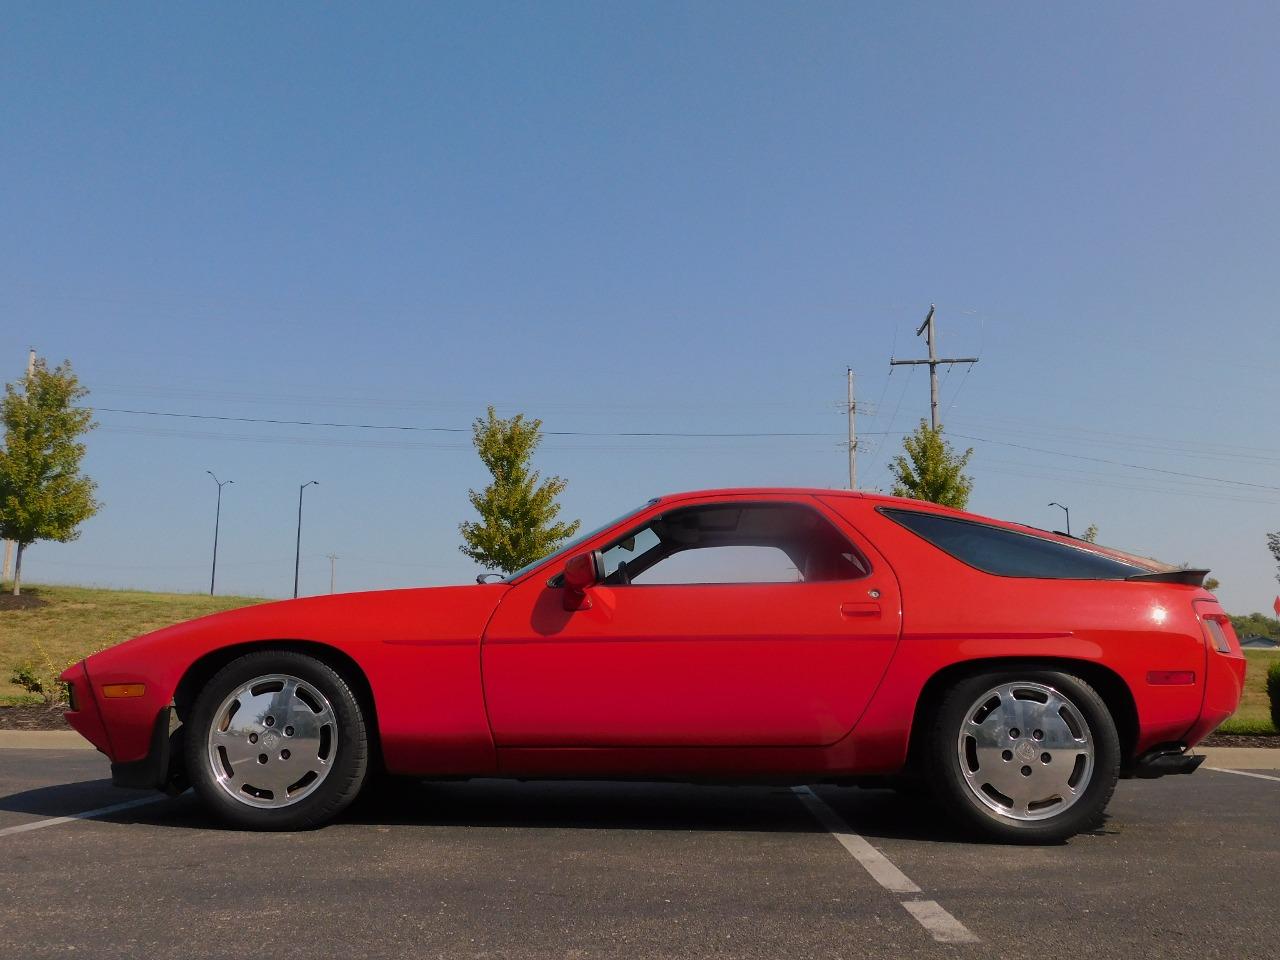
<point x="947" y="779"/>
<point x="349" y="761"/>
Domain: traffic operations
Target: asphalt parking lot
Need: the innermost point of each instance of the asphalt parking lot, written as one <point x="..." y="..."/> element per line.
<point x="1184" y="867"/>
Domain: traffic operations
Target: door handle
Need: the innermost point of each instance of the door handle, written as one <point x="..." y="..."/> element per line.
<point x="860" y="609"/>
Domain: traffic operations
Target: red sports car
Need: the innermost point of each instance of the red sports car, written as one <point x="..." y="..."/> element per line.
<point x="758" y="634"/>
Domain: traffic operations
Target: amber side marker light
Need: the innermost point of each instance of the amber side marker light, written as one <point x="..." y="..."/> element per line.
<point x="115" y="691"/>
<point x="1171" y="678"/>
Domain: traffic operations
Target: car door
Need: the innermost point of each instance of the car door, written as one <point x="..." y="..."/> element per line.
<point x="654" y="663"/>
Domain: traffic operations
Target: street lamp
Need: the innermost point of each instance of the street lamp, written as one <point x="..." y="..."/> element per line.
<point x="217" y="519"/>
<point x="1068" y="513"/>
<point x="297" y="556"/>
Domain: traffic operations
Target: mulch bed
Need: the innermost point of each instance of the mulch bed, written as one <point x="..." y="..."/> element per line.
<point x="40" y="717"/>
<point x="33" y="716"/>
<point x="23" y="601"/>
<point x="1240" y="740"/>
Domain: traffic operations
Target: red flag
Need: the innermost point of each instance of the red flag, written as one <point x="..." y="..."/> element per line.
<point x="1276" y="606"/>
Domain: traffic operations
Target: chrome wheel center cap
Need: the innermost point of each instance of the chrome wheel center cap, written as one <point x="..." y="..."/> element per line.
<point x="1024" y="751"/>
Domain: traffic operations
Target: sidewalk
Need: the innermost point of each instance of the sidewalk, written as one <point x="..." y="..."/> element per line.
<point x="1235" y="758"/>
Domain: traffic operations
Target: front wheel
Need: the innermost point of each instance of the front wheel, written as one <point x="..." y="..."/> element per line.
<point x="277" y="741"/>
<point x="1024" y="756"/>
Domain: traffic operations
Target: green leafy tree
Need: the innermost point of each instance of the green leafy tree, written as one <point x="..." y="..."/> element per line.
<point x="43" y="494"/>
<point x="518" y="509"/>
<point x="1090" y="533"/>
<point x="1273" y="544"/>
<point x="931" y="470"/>
<point x="1212" y="584"/>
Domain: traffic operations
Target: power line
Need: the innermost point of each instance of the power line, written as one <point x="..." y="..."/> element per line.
<point x="420" y="429"/>
<point x="1119" y="463"/>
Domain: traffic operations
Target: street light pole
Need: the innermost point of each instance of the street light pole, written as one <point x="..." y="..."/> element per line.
<point x="1067" y="512"/>
<point x="297" y="556"/>
<point x="217" y="520"/>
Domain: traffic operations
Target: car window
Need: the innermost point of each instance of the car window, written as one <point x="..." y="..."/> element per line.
<point x="627" y="549"/>
<point x="774" y="542"/>
<point x="1008" y="553"/>
<point x="723" y="565"/>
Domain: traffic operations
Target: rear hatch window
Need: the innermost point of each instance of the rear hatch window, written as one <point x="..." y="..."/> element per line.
<point x="1011" y="553"/>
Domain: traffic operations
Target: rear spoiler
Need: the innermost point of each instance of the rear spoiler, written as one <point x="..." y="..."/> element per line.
<point x="1191" y="578"/>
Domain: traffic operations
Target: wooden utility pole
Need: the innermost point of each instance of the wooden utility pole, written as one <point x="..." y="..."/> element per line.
<point x="6" y="571"/>
<point x="934" y="362"/>
<point x="853" y="434"/>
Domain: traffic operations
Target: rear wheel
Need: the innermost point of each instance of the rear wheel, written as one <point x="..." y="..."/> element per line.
<point x="1027" y="755"/>
<point x="277" y="741"/>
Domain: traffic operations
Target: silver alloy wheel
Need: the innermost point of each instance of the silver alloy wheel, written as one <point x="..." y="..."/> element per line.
<point x="1026" y="751"/>
<point x="272" y="741"/>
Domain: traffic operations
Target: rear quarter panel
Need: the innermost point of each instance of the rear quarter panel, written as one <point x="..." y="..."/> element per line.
<point x="953" y="613"/>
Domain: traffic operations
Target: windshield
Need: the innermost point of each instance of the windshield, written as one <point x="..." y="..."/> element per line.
<point x="578" y="541"/>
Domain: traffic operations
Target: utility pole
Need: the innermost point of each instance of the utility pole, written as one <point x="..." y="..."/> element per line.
<point x="853" y="434"/>
<point x="333" y="570"/>
<point x="934" y="362"/>
<point x="297" y="557"/>
<point x="217" y="519"/>
<point x="6" y="571"/>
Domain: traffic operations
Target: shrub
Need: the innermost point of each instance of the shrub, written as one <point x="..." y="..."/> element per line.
<point x="1273" y="691"/>
<point x="41" y="678"/>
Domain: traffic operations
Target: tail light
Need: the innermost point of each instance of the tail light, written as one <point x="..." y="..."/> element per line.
<point x="1217" y="627"/>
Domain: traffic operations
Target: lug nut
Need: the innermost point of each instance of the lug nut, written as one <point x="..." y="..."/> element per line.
<point x="1038" y="735"/>
<point x="1015" y="732"/>
<point x="271" y="721"/>
<point x="284" y="754"/>
<point x="288" y="731"/>
<point x="253" y="738"/>
<point x="262" y="758"/>
<point x="1007" y="755"/>
<point x="1045" y="758"/>
<point x="1026" y="771"/>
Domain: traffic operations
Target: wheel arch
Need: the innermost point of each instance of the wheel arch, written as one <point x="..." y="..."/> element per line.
<point x="1110" y="685"/>
<point x="202" y="670"/>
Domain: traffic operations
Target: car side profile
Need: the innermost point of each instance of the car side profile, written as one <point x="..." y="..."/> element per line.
<point x="777" y="635"/>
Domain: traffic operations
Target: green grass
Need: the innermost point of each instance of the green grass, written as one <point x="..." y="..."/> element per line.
<point x="1254" y="715"/>
<point x="75" y="621"/>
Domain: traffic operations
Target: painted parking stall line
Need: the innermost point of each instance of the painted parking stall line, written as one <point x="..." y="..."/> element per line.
<point x="930" y="914"/>
<point x="86" y="815"/>
<point x="1245" y="773"/>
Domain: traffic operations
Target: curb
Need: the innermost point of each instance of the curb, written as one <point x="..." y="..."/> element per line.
<point x="43" y="740"/>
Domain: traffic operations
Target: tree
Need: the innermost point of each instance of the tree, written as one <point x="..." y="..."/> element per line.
<point x="1090" y="533"/>
<point x="930" y="470"/>
<point x="517" y="512"/>
<point x="1273" y="544"/>
<point x="43" y="494"/>
<point x="1212" y="584"/>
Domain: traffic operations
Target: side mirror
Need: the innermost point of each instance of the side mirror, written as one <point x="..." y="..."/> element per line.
<point x="580" y="572"/>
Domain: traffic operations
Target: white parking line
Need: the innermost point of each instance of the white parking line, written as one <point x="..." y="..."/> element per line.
<point x="941" y="925"/>
<point x="87" y="815"/>
<point x="1244" y="773"/>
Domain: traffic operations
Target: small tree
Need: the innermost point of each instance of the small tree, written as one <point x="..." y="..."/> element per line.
<point x="1090" y="533"/>
<point x="931" y="470"/>
<point x="43" y="494"/>
<point x="517" y="512"/>
<point x="1273" y="544"/>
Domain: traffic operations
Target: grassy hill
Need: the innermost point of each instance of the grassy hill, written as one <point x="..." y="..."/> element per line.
<point x="67" y="623"/>
<point x="64" y="624"/>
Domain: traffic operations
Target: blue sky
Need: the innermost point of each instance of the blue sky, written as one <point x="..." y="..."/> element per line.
<point x="657" y="217"/>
